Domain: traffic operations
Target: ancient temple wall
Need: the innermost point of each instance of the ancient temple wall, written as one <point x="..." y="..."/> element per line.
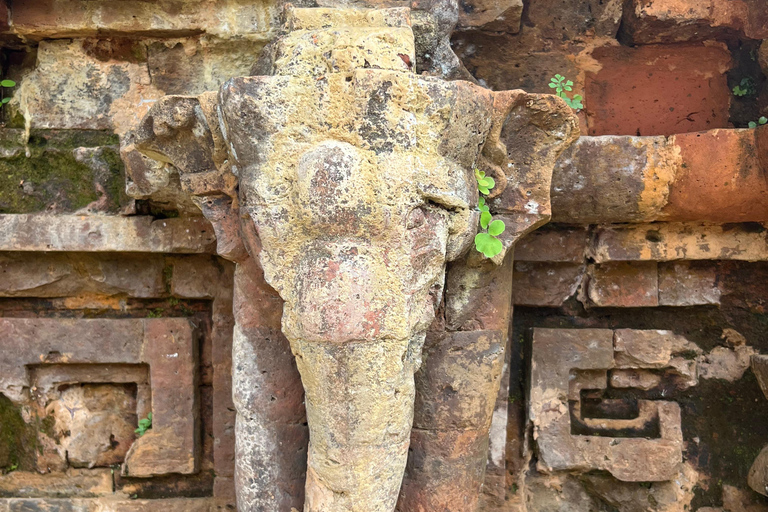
<point x="109" y="273"/>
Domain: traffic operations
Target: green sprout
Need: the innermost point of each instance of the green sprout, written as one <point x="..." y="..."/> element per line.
<point x="6" y="83"/>
<point x="746" y="87"/>
<point x="754" y="124"/>
<point x="144" y="425"/>
<point x="486" y="241"/>
<point x="561" y="85"/>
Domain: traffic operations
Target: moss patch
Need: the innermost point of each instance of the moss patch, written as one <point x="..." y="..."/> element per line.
<point x="18" y="440"/>
<point x="65" y="171"/>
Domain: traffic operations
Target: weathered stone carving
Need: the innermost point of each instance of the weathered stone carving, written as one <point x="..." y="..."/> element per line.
<point x="39" y="355"/>
<point x="569" y="365"/>
<point x="354" y="187"/>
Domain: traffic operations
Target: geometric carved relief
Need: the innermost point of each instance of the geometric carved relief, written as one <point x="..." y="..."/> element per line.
<point x="575" y="428"/>
<point x="67" y="365"/>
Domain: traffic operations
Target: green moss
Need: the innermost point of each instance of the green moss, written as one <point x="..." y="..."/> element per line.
<point x="51" y="178"/>
<point x="18" y="440"/>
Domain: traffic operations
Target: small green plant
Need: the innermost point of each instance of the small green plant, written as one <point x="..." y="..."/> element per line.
<point x="754" y="124"/>
<point x="561" y="85"/>
<point x="144" y="425"/>
<point x="747" y="87"/>
<point x="486" y="241"/>
<point x="6" y="83"/>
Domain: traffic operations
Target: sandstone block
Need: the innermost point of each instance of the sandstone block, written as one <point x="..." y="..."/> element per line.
<point x="613" y="179"/>
<point x="168" y="346"/>
<point x="459" y="380"/>
<point x="649" y="349"/>
<point x="560" y="358"/>
<point x="70" y="89"/>
<point x="561" y="20"/>
<point x="545" y="284"/>
<point x="553" y="244"/>
<point x="69" y="18"/>
<point x="74" y="483"/>
<point x="673" y="21"/>
<point x="656" y="107"/>
<point x="71" y="233"/>
<point x="623" y="284"/>
<point x="445" y="470"/>
<point x="684" y="283"/>
<point x="679" y="240"/>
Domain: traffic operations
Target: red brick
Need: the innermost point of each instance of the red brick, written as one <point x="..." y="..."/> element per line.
<point x="624" y="284"/>
<point x="658" y="90"/>
<point x="721" y="180"/>
<point x="545" y="284"/>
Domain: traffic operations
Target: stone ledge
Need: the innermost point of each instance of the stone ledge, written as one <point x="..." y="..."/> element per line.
<point x="42" y="233"/>
<point x="114" y="505"/>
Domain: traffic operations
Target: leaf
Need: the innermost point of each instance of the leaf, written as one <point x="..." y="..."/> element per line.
<point x="489" y="182"/>
<point x="7" y="83"/>
<point x="762" y="120"/>
<point x="553" y="84"/>
<point x="488" y="245"/>
<point x="568" y="84"/>
<point x="5" y="100"/>
<point x="752" y="124"/>
<point x="483" y="190"/>
<point x="559" y="77"/>
<point x="496" y="227"/>
<point x="485" y="218"/>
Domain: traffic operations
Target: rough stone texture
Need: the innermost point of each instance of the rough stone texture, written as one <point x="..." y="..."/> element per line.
<point x="492" y="15"/>
<point x="112" y="88"/>
<point x="560" y="245"/>
<point x="684" y="283"/>
<point x="167" y="345"/>
<point x="94" y="423"/>
<point x="557" y="353"/>
<point x="672" y="21"/>
<point x="113" y="504"/>
<point x="545" y="284"/>
<point x="72" y="233"/>
<point x="674" y="496"/>
<point x="699" y="99"/>
<point x="723" y="179"/>
<point x="676" y="241"/>
<point x="69" y="18"/>
<point x="60" y="171"/>
<point x="623" y="284"/>
<point x="75" y="482"/>
<point x="758" y="473"/>
<point x="60" y="275"/>
<point x="716" y="176"/>
<point x="759" y="364"/>
<point x="613" y="179"/>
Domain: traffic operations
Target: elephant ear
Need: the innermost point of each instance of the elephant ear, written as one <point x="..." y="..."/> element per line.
<point x="184" y="131"/>
<point x="527" y="135"/>
<point x="176" y="131"/>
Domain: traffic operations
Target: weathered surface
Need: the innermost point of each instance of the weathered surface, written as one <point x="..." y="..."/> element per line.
<point x="167" y="345"/>
<point x="43" y="233"/>
<point x="623" y="284"/>
<point x="493" y="15"/>
<point x="75" y="482"/>
<point x="112" y="504"/>
<point x="685" y="283"/>
<point x="672" y="21"/>
<point x="613" y="179"/>
<point x="679" y="240"/>
<point x="715" y="176"/>
<point x="60" y="171"/>
<point x="693" y="104"/>
<point x="545" y="284"/>
<point x="564" y="362"/>
<point x="68" y="18"/>
<point x="758" y="473"/>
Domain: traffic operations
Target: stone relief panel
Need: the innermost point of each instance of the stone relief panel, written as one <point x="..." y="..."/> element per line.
<point x="580" y="425"/>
